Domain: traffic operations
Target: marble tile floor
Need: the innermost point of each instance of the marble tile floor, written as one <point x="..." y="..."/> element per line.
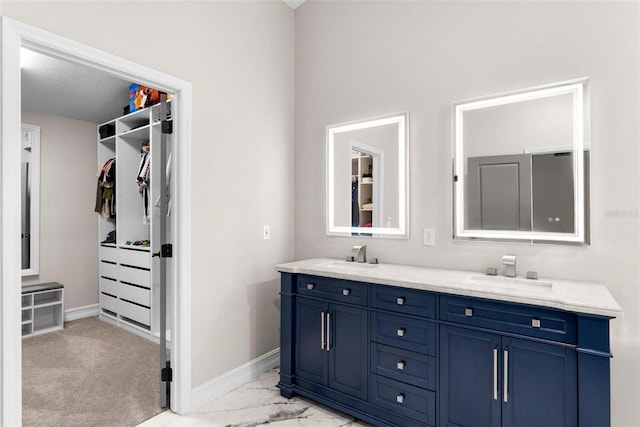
<point x="256" y="403"/>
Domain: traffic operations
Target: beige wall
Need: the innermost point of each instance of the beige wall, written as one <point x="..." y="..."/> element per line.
<point x="239" y="58"/>
<point x="362" y="59"/>
<point x="68" y="225"/>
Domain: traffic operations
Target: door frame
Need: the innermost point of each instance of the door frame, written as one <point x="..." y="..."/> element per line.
<point x="14" y="36"/>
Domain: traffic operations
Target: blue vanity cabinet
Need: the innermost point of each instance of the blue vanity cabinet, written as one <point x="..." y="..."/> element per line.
<point x="400" y="357"/>
<point x="331" y="338"/>
<point x="500" y="379"/>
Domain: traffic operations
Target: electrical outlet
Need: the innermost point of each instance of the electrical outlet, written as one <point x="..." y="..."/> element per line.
<point x="266" y="233"/>
<point x="428" y="237"/>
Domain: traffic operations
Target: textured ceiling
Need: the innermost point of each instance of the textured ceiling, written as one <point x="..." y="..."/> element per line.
<point x="58" y="87"/>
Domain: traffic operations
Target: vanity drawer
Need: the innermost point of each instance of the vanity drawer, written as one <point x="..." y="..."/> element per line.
<point x="134" y="312"/>
<point x="134" y="294"/>
<point x="404" y="332"/>
<point x="403" y="365"/>
<point x="339" y="290"/>
<point x="108" y="253"/>
<point x="108" y="302"/>
<point x="108" y="286"/>
<point x="134" y="276"/>
<point x="536" y="322"/>
<point x="109" y="270"/>
<point x="404" y="300"/>
<point x="135" y="258"/>
<point x="404" y="399"/>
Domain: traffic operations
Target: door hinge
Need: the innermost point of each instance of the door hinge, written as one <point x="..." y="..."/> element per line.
<point x="455" y="178"/>
<point x="166" y="251"/>
<point x="167" y="127"/>
<point x="166" y="374"/>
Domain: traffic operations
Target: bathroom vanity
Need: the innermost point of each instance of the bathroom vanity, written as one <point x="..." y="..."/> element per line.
<point x="398" y="345"/>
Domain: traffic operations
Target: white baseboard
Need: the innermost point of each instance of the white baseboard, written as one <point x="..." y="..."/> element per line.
<point x="80" y="312"/>
<point x="226" y="382"/>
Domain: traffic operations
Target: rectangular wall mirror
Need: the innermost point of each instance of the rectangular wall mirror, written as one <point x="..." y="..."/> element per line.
<point x="521" y="165"/>
<point x="368" y="178"/>
<point x="30" y="200"/>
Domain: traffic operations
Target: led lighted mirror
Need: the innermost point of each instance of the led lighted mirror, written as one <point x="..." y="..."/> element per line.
<point x="521" y="165"/>
<point x="367" y="177"/>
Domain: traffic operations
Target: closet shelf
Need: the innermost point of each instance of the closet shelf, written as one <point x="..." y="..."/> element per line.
<point x="139" y="133"/>
<point x="108" y="140"/>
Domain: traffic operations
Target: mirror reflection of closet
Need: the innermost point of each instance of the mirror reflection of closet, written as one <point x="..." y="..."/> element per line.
<point x="366" y="180"/>
<point x="30" y="200"/>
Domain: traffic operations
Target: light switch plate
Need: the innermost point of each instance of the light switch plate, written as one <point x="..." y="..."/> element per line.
<point x="428" y="237"/>
<point x="266" y="234"/>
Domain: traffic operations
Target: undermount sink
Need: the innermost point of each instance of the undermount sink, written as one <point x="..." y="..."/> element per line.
<point x="511" y="282"/>
<point x="347" y="264"/>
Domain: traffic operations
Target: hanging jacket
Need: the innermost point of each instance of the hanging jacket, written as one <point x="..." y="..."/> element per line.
<point x="106" y="190"/>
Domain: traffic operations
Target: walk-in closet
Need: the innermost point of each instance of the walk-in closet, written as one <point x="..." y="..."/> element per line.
<point x="96" y="195"/>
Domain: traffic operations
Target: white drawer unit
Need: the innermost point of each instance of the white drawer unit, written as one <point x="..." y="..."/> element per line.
<point x="42" y="308"/>
<point x="107" y="302"/>
<point x="134" y="294"/>
<point x="108" y="286"/>
<point x="107" y="269"/>
<point x="134" y="276"/>
<point x="108" y="253"/>
<point x="134" y="258"/>
<point x="127" y="310"/>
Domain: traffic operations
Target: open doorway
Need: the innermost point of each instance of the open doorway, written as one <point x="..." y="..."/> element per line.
<point x="15" y="36"/>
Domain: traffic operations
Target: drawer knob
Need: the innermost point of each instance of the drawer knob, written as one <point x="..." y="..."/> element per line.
<point x="400" y="332"/>
<point x="400" y="365"/>
<point x="468" y="312"/>
<point x="346" y="292"/>
<point x="400" y="398"/>
<point x="310" y="285"/>
<point x="535" y="323"/>
<point x="400" y="300"/>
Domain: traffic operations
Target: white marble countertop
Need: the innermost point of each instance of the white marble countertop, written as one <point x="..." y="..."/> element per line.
<point x="579" y="297"/>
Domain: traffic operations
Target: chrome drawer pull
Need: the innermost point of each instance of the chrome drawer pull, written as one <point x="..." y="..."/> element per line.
<point x="328" y="331"/>
<point x="468" y="312"/>
<point x="309" y="285"/>
<point x="495" y="374"/>
<point x="400" y="398"/>
<point x="400" y="300"/>
<point x="506" y="376"/>
<point x="400" y="332"/>
<point x="322" y="330"/>
<point x="346" y="292"/>
<point x="400" y="365"/>
<point x="535" y="323"/>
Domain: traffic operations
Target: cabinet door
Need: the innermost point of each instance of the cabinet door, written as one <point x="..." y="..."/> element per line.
<point x="348" y="350"/>
<point x="542" y="385"/>
<point x="311" y="358"/>
<point x="469" y="378"/>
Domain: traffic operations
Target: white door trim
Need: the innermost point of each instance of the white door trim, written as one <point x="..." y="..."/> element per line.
<point x="15" y="35"/>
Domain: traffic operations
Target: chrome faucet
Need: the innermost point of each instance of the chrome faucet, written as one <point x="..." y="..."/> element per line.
<point x="359" y="253"/>
<point x="509" y="262"/>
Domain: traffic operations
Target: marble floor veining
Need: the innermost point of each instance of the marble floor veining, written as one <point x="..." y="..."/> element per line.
<point x="256" y="403"/>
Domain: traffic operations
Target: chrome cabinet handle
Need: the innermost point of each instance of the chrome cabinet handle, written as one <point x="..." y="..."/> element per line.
<point x="400" y="365"/>
<point x="400" y="332"/>
<point x="495" y="374"/>
<point x="468" y="312"/>
<point x="322" y="330"/>
<point x="400" y="300"/>
<point x="309" y="286"/>
<point x="346" y="292"/>
<point x="535" y="323"/>
<point x="400" y="398"/>
<point x="328" y="331"/>
<point x="506" y="376"/>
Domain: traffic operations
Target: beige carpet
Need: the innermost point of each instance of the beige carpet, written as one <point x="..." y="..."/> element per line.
<point x="89" y="374"/>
